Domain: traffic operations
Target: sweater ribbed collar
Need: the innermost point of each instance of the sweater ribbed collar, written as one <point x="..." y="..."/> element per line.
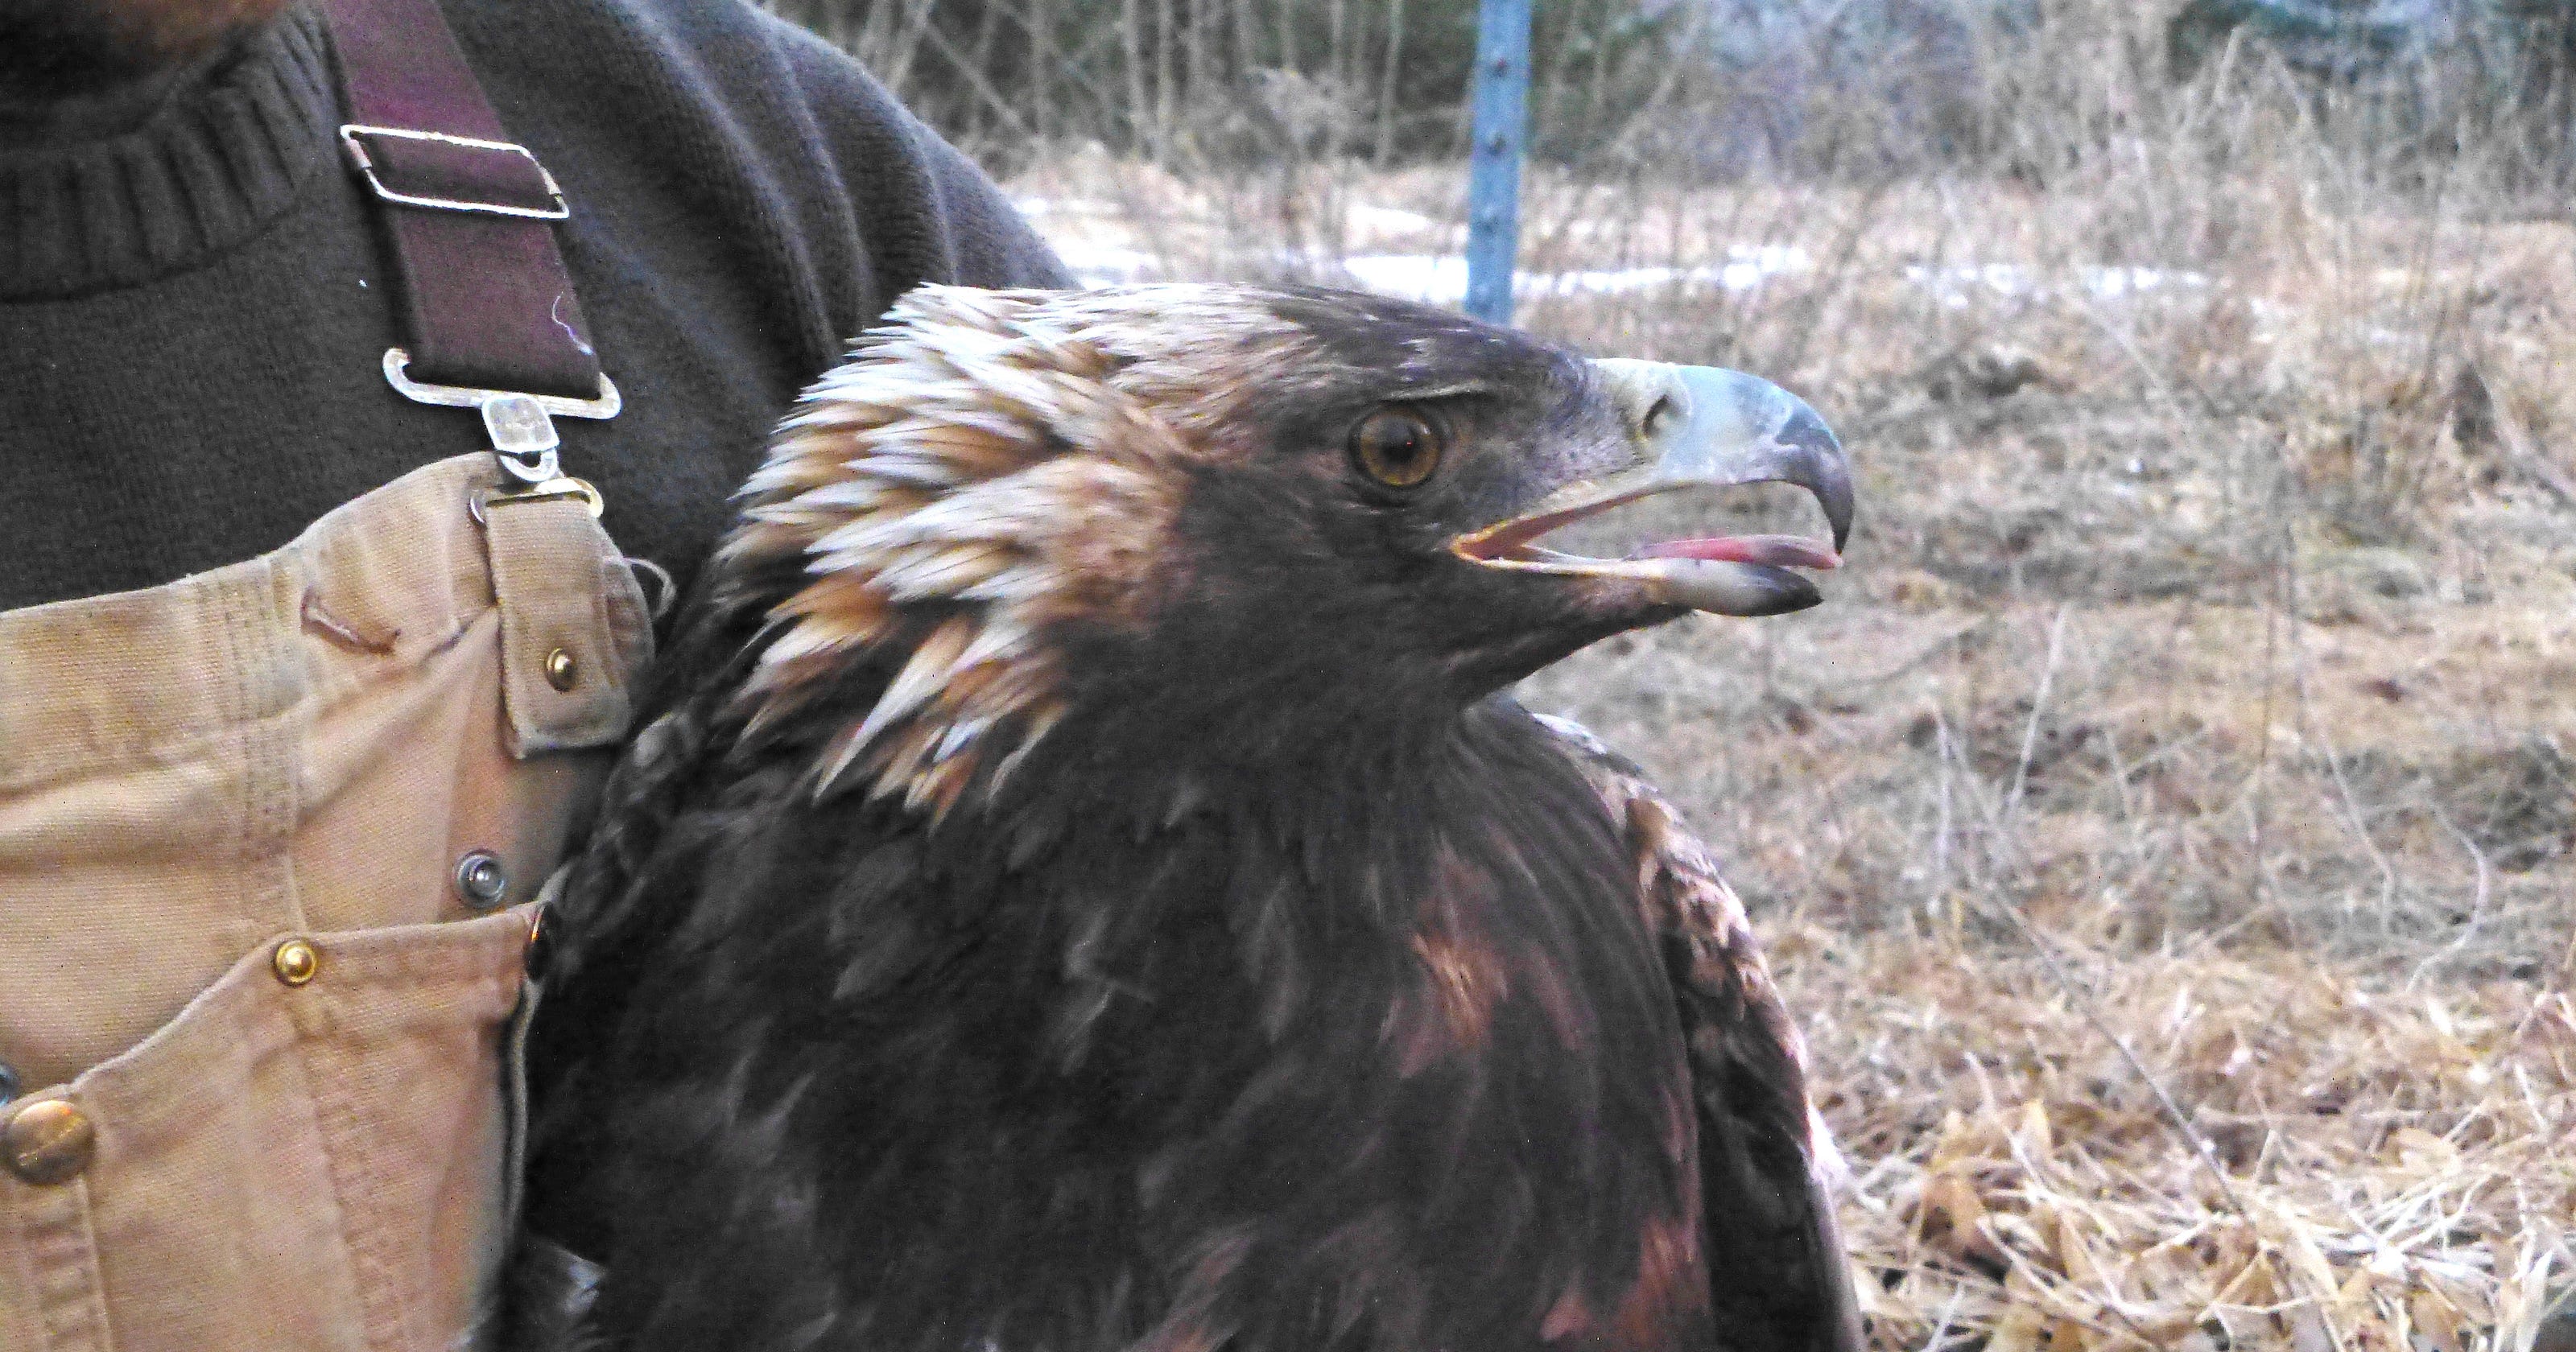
<point x="203" y="173"/>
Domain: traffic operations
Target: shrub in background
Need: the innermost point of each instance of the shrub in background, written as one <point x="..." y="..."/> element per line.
<point x="1791" y="88"/>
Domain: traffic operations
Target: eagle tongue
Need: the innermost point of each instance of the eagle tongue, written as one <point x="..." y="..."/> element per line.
<point x="1775" y="551"/>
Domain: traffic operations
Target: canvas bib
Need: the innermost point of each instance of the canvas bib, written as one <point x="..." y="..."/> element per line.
<point x="268" y="839"/>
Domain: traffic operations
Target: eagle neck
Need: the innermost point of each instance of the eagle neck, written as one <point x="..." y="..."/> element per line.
<point x="1355" y="819"/>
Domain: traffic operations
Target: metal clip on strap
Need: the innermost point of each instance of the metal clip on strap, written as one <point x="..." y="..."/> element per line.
<point x="488" y="317"/>
<point x="522" y="429"/>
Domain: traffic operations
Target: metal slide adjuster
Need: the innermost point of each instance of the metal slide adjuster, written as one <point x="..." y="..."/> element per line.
<point x="522" y="429"/>
<point x="549" y="491"/>
<point x="352" y="135"/>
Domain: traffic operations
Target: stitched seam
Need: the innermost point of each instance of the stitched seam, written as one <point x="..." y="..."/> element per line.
<point x="255" y="908"/>
<point x="390" y="1316"/>
<point x="515" y="690"/>
<point x="278" y="745"/>
<point x="308" y="1097"/>
<point x="227" y="732"/>
<point x="604" y="711"/>
<point x="65" y="1256"/>
<point x="106" y="1331"/>
<point x="458" y="599"/>
<point x="541" y="719"/>
<point x="340" y="1130"/>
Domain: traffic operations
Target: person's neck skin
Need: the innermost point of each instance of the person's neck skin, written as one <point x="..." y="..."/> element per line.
<point x="77" y="70"/>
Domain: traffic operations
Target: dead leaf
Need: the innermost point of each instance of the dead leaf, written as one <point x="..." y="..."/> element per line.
<point x="2034" y="1133"/>
<point x="2075" y="1256"/>
<point x="1953" y="1222"/>
<point x="2435" y="1321"/>
<point x="2017" y="1331"/>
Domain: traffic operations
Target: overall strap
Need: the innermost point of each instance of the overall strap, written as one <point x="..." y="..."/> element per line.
<point x="489" y="322"/>
<point x="487" y="310"/>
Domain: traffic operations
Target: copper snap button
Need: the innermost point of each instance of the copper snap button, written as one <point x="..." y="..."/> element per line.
<point x="482" y="879"/>
<point x="297" y="962"/>
<point x="48" y="1142"/>
<point x="562" y="672"/>
<point x="540" y="944"/>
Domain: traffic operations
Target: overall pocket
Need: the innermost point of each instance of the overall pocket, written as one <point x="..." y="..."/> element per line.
<point x="310" y="1156"/>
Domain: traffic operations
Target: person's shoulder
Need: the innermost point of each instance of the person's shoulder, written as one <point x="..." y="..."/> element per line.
<point x="697" y="120"/>
<point x="726" y="50"/>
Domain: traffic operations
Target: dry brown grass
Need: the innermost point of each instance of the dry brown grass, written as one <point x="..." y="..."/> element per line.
<point x="2187" y="758"/>
<point x="2215" y="663"/>
<point x="2395" y="1166"/>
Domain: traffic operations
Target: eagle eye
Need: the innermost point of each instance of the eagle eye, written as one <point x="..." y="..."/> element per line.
<point x="1396" y="447"/>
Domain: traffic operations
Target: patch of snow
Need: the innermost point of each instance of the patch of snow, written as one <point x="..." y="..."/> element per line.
<point x="1767" y="259"/>
<point x="2111" y="283"/>
<point x="1428" y="278"/>
<point x="1441" y="279"/>
<point x="1391" y="220"/>
<point x="1953" y="282"/>
<point x="1097" y="265"/>
<point x="1076" y="206"/>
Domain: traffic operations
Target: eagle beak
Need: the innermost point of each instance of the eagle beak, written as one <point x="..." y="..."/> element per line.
<point x="1694" y="427"/>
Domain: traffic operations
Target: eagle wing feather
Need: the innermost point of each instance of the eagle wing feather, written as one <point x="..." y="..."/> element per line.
<point x="1778" y="1275"/>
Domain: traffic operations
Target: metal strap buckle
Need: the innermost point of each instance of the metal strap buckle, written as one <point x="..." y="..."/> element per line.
<point x="549" y="491"/>
<point x="351" y="134"/>
<point x="522" y="430"/>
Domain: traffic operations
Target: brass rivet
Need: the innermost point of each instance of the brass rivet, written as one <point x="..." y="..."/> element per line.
<point x="561" y="671"/>
<point x="482" y="879"/>
<point x="296" y="962"/>
<point x="48" y="1141"/>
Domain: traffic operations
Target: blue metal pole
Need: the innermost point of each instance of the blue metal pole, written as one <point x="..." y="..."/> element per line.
<point x="1501" y="101"/>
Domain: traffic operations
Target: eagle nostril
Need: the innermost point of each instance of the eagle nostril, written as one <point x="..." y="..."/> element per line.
<point x="1658" y="418"/>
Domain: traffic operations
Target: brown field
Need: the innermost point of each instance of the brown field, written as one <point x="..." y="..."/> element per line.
<point x="2165" y="831"/>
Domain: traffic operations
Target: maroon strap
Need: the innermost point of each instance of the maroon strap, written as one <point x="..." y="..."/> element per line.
<point x="487" y="303"/>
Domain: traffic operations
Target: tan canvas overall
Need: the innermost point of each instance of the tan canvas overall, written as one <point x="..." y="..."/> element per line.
<point x="271" y="835"/>
<point x="268" y="838"/>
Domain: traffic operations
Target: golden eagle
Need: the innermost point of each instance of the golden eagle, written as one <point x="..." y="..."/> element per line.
<point x="1081" y="887"/>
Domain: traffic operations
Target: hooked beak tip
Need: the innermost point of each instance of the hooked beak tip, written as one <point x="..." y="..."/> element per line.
<point x="1828" y="470"/>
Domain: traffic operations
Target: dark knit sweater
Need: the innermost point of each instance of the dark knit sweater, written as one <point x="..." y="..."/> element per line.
<point x="192" y="310"/>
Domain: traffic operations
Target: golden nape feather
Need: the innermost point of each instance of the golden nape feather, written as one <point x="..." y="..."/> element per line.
<point x="923" y="487"/>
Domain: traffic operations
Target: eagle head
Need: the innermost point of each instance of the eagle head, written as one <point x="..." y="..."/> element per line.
<point x="1216" y="518"/>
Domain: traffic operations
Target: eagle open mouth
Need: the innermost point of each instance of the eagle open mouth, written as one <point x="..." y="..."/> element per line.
<point x="1694" y="427"/>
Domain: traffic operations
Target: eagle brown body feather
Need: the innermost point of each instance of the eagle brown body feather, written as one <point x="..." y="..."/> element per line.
<point x="1070" y="899"/>
<point x="1768" y="1159"/>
